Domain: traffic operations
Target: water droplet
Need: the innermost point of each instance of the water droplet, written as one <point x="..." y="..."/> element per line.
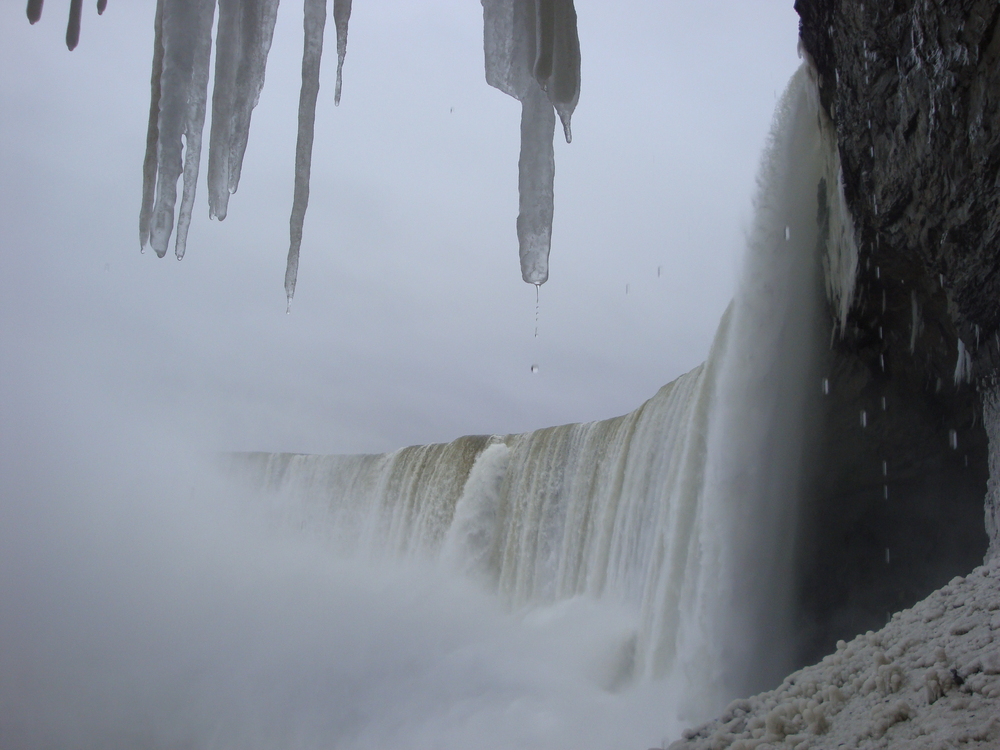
<point x="880" y="332"/>
<point x="886" y="555"/>
<point x="537" y="307"/>
<point x="966" y="459"/>
<point x="626" y="289"/>
<point x="534" y="369"/>
<point x="885" y="468"/>
<point x="953" y="439"/>
<point x="864" y="418"/>
<point x="878" y="272"/>
<point x="883" y="403"/>
<point x="788" y="233"/>
<point x="659" y="271"/>
<point x="826" y="386"/>
<point x="885" y="491"/>
<point x="881" y="359"/>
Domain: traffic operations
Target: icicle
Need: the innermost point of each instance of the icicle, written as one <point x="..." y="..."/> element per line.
<point x="73" y="27"/>
<point x="184" y="31"/>
<point x="102" y="5"/>
<point x="535" y="176"/>
<point x="243" y="41"/>
<point x="34" y="10"/>
<point x="529" y="46"/>
<point x="557" y="63"/>
<point x="197" y="102"/>
<point x="963" y="365"/>
<point x="150" y="164"/>
<point x="313" y="25"/>
<point x="341" y="16"/>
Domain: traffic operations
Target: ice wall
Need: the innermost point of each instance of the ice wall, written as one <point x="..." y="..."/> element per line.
<point x="682" y="511"/>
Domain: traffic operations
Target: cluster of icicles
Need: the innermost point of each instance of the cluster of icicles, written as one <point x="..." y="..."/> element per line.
<point x="532" y="53"/>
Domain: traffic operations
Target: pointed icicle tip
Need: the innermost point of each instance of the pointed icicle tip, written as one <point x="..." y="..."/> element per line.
<point x="73" y="27"/>
<point x="341" y="18"/>
<point x="102" y="5"/>
<point x="34" y="10"/>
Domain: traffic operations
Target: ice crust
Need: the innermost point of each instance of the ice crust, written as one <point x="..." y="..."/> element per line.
<point x="532" y="53"/>
<point x="929" y="680"/>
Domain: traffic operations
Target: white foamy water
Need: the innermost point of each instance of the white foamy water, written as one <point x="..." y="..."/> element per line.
<point x="585" y="586"/>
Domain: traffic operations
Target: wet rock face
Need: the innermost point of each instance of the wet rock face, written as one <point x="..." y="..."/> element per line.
<point x="913" y="89"/>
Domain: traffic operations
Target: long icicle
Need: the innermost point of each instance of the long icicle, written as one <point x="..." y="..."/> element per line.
<point x="73" y="27"/>
<point x="313" y="23"/>
<point x="341" y="17"/>
<point x="197" y="103"/>
<point x="150" y="164"/>
<point x="34" y="10"/>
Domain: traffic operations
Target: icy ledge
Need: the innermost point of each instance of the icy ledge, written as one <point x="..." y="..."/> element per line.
<point x="929" y="679"/>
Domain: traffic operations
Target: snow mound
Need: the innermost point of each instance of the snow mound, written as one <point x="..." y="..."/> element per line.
<point x="929" y="679"/>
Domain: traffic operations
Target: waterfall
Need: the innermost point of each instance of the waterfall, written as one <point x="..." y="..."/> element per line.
<point x="682" y="512"/>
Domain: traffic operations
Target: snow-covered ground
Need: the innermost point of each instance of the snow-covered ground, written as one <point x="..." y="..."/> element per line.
<point x="929" y="679"/>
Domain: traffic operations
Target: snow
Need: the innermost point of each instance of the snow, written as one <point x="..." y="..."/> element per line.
<point x="929" y="679"/>
<point x="314" y="23"/>
<point x="532" y="53"/>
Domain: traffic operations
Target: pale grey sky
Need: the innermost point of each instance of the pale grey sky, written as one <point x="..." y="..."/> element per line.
<point x="410" y="322"/>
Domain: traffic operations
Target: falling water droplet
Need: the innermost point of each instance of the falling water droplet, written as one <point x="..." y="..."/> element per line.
<point x="885" y="468"/>
<point x="880" y="332"/>
<point x="966" y="459"/>
<point x="826" y="386"/>
<point x="881" y="359"/>
<point x="659" y="271"/>
<point x="953" y="439"/>
<point x="534" y="369"/>
<point x="537" y="307"/>
<point x="788" y="233"/>
<point x="878" y="272"/>
<point x="885" y="491"/>
<point x="883" y="403"/>
<point x="886" y="555"/>
<point x="864" y="418"/>
<point x="626" y="289"/>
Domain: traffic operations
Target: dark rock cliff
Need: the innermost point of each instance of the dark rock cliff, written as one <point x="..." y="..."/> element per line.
<point x="913" y="89"/>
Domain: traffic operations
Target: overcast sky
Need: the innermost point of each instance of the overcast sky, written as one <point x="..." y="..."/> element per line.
<point x="410" y="322"/>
